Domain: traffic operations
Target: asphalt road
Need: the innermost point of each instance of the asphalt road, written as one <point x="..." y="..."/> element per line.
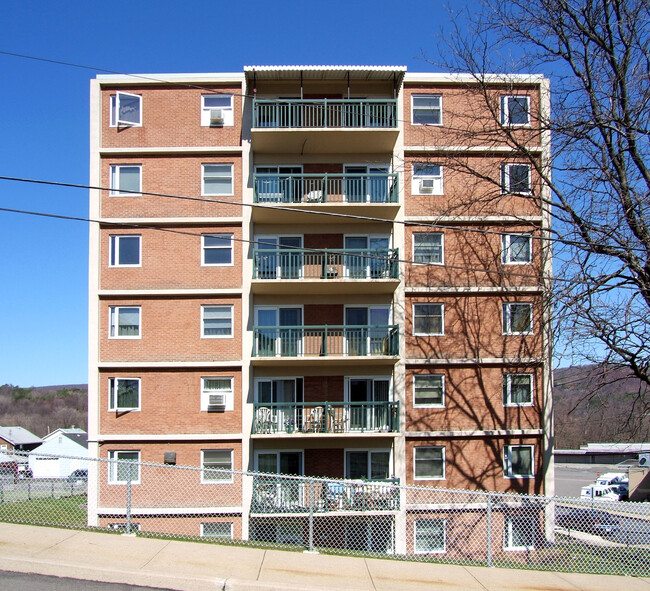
<point x="30" y="582"/>
<point x="569" y="478"/>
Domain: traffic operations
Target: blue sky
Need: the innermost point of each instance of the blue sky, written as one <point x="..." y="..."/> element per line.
<point x="44" y="126"/>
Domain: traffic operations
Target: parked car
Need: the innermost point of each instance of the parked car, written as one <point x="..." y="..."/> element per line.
<point x="78" y="476"/>
<point x="591" y="521"/>
<point x="601" y="492"/>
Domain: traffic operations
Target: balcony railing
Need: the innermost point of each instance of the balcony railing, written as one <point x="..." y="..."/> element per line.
<point x="326" y="417"/>
<point x="325" y="113"/>
<point x="326" y="188"/>
<point x="283" y="494"/>
<point x="325" y="341"/>
<point x="295" y="263"/>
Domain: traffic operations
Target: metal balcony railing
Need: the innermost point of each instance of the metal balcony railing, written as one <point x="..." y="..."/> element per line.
<point x="325" y="341"/>
<point x="295" y="263"/>
<point x="326" y="417"/>
<point x="381" y="187"/>
<point x="325" y="113"/>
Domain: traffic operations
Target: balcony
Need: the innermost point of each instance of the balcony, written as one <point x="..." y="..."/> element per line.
<point x="308" y="418"/>
<point x="318" y="126"/>
<point x="278" y="270"/>
<point x="325" y="345"/>
<point x="285" y="494"/>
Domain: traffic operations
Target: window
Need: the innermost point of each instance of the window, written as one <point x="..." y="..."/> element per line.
<point x="518" y="389"/>
<point x="428" y="390"/>
<point x="121" y="527"/>
<point x="368" y="465"/>
<point x="126" y="180"/>
<point x="126" y="110"/>
<point x="517" y="318"/>
<point x="220" y="529"/>
<point x="124" y="251"/>
<point x="211" y="386"/>
<point x="217" y="179"/>
<point x="216" y="322"/>
<point x="216" y="110"/>
<point x="519" y="533"/>
<point x="427" y="179"/>
<point x="429" y="463"/>
<point x="518" y="461"/>
<point x="428" y="319"/>
<point x="124" y="394"/>
<point x="426" y="109"/>
<point x="515" y="110"/>
<point x="124" y="466"/>
<point x="430" y="536"/>
<point x="428" y="248"/>
<point x="217" y="465"/>
<point x="124" y="322"/>
<point x="515" y="178"/>
<point x="516" y="249"/>
<point x="217" y="249"/>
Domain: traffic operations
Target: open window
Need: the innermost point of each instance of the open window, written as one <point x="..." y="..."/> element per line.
<point x="126" y="110"/>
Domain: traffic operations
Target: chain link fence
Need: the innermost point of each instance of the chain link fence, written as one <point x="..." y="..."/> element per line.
<point x="368" y="518"/>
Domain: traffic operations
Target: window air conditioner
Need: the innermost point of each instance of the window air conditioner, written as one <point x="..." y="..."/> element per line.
<point x="216" y="117"/>
<point x="217" y="400"/>
<point x="426" y="186"/>
<point x="644" y="459"/>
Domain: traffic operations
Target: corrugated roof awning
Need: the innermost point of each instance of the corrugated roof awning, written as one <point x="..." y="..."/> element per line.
<point x="387" y="73"/>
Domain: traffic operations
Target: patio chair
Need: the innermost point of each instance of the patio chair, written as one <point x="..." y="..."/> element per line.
<point x="263" y="420"/>
<point x="314" y="423"/>
<point x="337" y="420"/>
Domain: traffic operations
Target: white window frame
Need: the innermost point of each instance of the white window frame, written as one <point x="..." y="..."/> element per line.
<point x="229" y="479"/>
<point x="368" y="451"/>
<point x="507" y="250"/>
<point x="212" y="537"/>
<point x="205" y="393"/>
<point x="114" y="250"/>
<point x="113" y="384"/>
<point x="505" y="110"/>
<point x="507" y="318"/>
<point x="113" y="467"/>
<point x="228" y="112"/>
<point x="442" y="319"/>
<point x="522" y="520"/>
<point x="414" y="108"/>
<point x="115" y="190"/>
<point x="505" y="178"/>
<point x="217" y="336"/>
<point x="507" y="389"/>
<point x="507" y="462"/>
<point x="429" y="375"/>
<point x="232" y="179"/>
<point x="204" y="249"/>
<point x="114" y="325"/>
<point x="417" y="176"/>
<point x="444" y="462"/>
<point x="442" y="248"/>
<point x="115" y="107"/>
<point x="443" y="524"/>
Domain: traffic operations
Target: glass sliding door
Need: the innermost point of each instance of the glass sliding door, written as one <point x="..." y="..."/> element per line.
<point x="355" y="262"/>
<point x="279" y="332"/>
<point x="356" y="331"/>
<point x="369" y="257"/>
<point x="366" y="184"/>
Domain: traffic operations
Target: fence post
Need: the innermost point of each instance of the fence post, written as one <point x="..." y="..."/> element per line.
<point x="128" y="504"/>
<point x="52" y="483"/>
<point x="2" y="491"/>
<point x="29" y="490"/>
<point x="488" y="517"/>
<point x="311" y="516"/>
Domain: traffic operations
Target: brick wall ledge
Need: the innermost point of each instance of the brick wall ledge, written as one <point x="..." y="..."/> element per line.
<point x="477" y="433"/>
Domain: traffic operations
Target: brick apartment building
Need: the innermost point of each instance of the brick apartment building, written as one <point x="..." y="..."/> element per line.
<point x="323" y="271"/>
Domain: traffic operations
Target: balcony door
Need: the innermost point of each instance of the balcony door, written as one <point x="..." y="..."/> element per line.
<point x="363" y="416"/>
<point x="283" y="396"/>
<point x="375" y="264"/>
<point x="285" y="494"/>
<point x="279" y="184"/>
<point x="366" y="183"/>
<point x="284" y="259"/>
<point x="279" y="332"/>
<point x="366" y="330"/>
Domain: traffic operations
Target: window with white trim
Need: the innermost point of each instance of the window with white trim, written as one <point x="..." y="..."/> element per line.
<point x="124" y="466"/>
<point x="217" y="394"/>
<point x="216" y="322"/>
<point x="518" y="461"/>
<point x="430" y="536"/>
<point x="517" y="318"/>
<point x="426" y="109"/>
<point x="428" y="319"/>
<point x="429" y="463"/>
<point x="515" y="110"/>
<point x="217" y="110"/>
<point x="427" y="179"/>
<point x="216" y="179"/>
<point x="516" y="249"/>
<point x="518" y="389"/>
<point x="123" y="394"/>
<point x="428" y="248"/>
<point x="216" y="249"/>
<point x="428" y="390"/>
<point x="217" y="529"/>
<point x="217" y="466"/>
<point x="519" y="533"/>
<point x="124" y="322"/>
<point x="515" y="178"/>
<point x="126" y="110"/>
<point x="367" y="464"/>
<point x="124" y="251"/>
<point x="121" y="527"/>
<point x="126" y="180"/>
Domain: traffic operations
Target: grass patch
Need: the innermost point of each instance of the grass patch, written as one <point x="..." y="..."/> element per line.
<point x="65" y="512"/>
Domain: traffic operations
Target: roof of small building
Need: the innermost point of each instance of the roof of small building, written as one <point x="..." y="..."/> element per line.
<point x="77" y="435"/>
<point x="18" y="436"/>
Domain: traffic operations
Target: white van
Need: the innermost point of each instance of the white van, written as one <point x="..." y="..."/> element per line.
<point x="601" y="492"/>
<point x="612" y="478"/>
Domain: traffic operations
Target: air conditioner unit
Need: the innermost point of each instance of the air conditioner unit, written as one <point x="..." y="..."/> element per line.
<point x="216" y="117"/>
<point x="426" y="185"/>
<point x="644" y="459"/>
<point x="217" y="400"/>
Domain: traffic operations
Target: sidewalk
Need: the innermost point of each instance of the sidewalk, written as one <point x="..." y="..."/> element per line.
<point x="188" y="566"/>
